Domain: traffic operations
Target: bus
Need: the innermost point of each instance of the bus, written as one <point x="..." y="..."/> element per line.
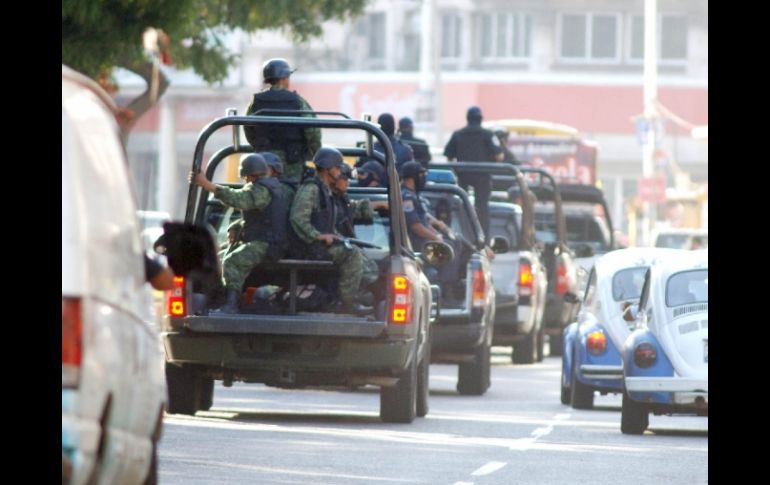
<point x="555" y="147"/>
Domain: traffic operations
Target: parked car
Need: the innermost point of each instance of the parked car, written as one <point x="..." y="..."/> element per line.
<point x="591" y="359"/>
<point x="681" y="238"/>
<point x="665" y="360"/>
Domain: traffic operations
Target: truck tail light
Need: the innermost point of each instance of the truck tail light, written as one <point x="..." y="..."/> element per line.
<point x="645" y="355"/>
<point x="177" y="298"/>
<point x="525" y="278"/>
<point x="478" y="288"/>
<point x="596" y="343"/>
<point x="562" y="281"/>
<point x="71" y="341"/>
<point x="401" y="300"/>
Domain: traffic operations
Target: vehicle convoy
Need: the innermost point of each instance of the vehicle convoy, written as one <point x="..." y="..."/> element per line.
<point x="666" y="359"/>
<point x="283" y="342"/>
<point x="519" y="276"/>
<point x="113" y="387"/>
<point x="591" y="358"/>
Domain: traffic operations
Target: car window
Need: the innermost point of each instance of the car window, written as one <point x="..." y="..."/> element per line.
<point x="687" y="287"/>
<point x="627" y="283"/>
<point x="450" y="209"/>
<point x="545" y="227"/>
<point x="504" y="224"/>
<point x="587" y="229"/>
<point x="679" y="241"/>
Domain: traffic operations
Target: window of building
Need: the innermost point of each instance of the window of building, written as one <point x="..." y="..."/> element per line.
<point x="505" y="35"/>
<point x="376" y="35"/>
<point x="672" y="39"/>
<point x="451" y="35"/>
<point x="590" y="37"/>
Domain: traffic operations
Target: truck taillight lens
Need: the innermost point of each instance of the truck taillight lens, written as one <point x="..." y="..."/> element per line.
<point x="562" y="281"/>
<point x="645" y="355"/>
<point x="71" y="341"/>
<point x="401" y="302"/>
<point x="525" y="278"/>
<point x="479" y="288"/>
<point x="596" y="343"/>
<point x="177" y="298"/>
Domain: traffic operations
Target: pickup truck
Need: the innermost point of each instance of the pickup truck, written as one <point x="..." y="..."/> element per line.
<point x="282" y="345"/>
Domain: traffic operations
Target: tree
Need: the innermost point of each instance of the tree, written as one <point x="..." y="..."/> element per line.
<point x="99" y="35"/>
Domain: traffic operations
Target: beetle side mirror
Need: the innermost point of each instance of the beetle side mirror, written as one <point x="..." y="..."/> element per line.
<point x="500" y="245"/>
<point x="437" y="253"/>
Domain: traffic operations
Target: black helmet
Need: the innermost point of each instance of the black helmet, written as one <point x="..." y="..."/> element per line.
<point x="276" y="69"/>
<point x="327" y="157"/>
<point x="346" y="171"/>
<point x="273" y="161"/>
<point x="253" y="164"/>
<point x="411" y="169"/>
<point x="371" y="171"/>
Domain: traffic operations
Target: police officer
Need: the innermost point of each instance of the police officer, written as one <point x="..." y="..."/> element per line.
<point x="502" y="135"/>
<point x="420" y="224"/>
<point x="292" y="145"/>
<point x="475" y="144"/>
<point x="402" y="151"/>
<point x="313" y="220"/>
<point x="265" y="212"/>
<point x="418" y="145"/>
<point x="372" y="174"/>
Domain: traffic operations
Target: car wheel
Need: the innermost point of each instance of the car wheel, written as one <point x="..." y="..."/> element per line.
<point x="398" y="404"/>
<point x="473" y="378"/>
<point x="183" y="389"/>
<point x="634" y="418"/>
<point x="582" y="396"/>
<point x="526" y="351"/>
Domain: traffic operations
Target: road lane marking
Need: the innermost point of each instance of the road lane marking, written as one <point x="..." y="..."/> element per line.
<point x="525" y="444"/>
<point x="490" y="467"/>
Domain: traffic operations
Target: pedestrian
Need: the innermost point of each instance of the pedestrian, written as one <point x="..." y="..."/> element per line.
<point x="418" y="145"/>
<point x="293" y="145"/>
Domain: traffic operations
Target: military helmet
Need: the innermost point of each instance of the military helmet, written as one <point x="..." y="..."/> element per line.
<point x="273" y="161"/>
<point x="327" y="157"/>
<point x="276" y="69"/>
<point x="253" y="164"/>
<point x="411" y="169"/>
<point x="346" y="171"/>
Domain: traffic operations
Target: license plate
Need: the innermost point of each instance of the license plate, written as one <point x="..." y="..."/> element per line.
<point x="706" y="351"/>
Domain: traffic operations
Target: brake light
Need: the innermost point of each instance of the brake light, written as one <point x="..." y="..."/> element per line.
<point x="562" y="281"/>
<point x="525" y="278"/>
<point x="479" y="288"/>
<point x="645" y="355"/>
<point x="176" y="298"/>
<point x="596" y="343"/>
<point x="401" y="302"/>
<point x="71" y="341"/>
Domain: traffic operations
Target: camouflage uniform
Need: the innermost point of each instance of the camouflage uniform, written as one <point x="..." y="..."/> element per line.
<point x="238" y="263"/>
<point x="349" y="261"/>
<point x="312" y="141"/>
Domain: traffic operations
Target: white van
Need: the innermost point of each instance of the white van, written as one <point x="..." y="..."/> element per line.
<point x="113" y="382"/>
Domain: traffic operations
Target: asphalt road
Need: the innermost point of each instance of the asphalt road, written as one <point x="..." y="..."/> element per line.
<point x="518" y="432"/>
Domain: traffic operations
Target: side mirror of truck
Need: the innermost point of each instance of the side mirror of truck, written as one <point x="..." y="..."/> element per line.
<point x="188" y="248"/>
<point x="500" y="245"/>
<point x="437" y="253"/>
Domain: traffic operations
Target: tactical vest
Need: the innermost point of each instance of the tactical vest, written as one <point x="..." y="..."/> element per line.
<point x="472" y="143"/>
<point x="269" y="137"/>
<point x="268" y="224"/>
<point x="344" y="216"/>
<point x="322" y="219"/>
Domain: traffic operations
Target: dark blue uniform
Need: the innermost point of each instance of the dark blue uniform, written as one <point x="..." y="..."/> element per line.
<point x="415" y="211"/>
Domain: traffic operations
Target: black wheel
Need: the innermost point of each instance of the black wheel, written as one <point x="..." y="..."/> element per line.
<point x="540" y="343"/>
<point x="183" y="389"/>
<point x="566" y="395"/>
<point x="526" y="351"/>
<point x="556" y="344"/>
<point x="634" y="418"/>
<point x="582" y="396"/>
<point x="423" y="385"/>
<point x="398" y="404"/>
<point x="473" y="377"/>
<point x="206" y="393"/>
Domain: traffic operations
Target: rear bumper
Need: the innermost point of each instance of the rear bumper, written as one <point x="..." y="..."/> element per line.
<point x="602" y="372"/>
<point x="457" y="337"/>
<point x="667" y="384"/>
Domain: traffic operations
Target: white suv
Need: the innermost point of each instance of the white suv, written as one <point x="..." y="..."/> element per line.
<point x="113" y="383"/>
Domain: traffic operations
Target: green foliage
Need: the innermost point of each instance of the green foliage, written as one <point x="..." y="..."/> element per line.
<point x="98" y="35"/>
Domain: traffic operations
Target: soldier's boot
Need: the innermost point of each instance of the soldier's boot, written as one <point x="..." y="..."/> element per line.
<point x="232" y="304"/>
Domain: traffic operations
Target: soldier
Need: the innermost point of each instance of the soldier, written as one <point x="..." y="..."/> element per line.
<point x="265" y="211"/>
<point x="418" y="145"/>
<point x="420" y="224"/>
<point x="291" y="144"/>
<point x="372" y="174"/>
<point x="288" y="184"/>
<point x="351" y="211"/>
<point x="233" y="238"/>
<point x="313" y="220"/>
<point x="475" y="144"/>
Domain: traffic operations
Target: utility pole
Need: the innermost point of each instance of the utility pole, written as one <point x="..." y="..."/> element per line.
<point x="650" y="109"/>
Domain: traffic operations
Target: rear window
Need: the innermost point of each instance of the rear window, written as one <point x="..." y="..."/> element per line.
<point x="627" y="283"/>
<point x="449" y="208"/>
<point x="688" y="287"/>
<point x="587" y="229"/>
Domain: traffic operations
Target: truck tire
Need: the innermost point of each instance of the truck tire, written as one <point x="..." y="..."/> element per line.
<point x="582" y="396"/>
<point x="183" y="389"/>
<point x="634" y="418"/>
<point x="423" y="384"/>
<point x="526" y="351"/>
<point x="206" y="393"/>
<point x="473" y="377"/>
<point x="398" y="404"/>
<point x="556" y="344"/>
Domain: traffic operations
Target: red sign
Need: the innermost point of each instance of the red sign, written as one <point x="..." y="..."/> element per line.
<point x="568" y="160"/>
<point x="652" y="189"/>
